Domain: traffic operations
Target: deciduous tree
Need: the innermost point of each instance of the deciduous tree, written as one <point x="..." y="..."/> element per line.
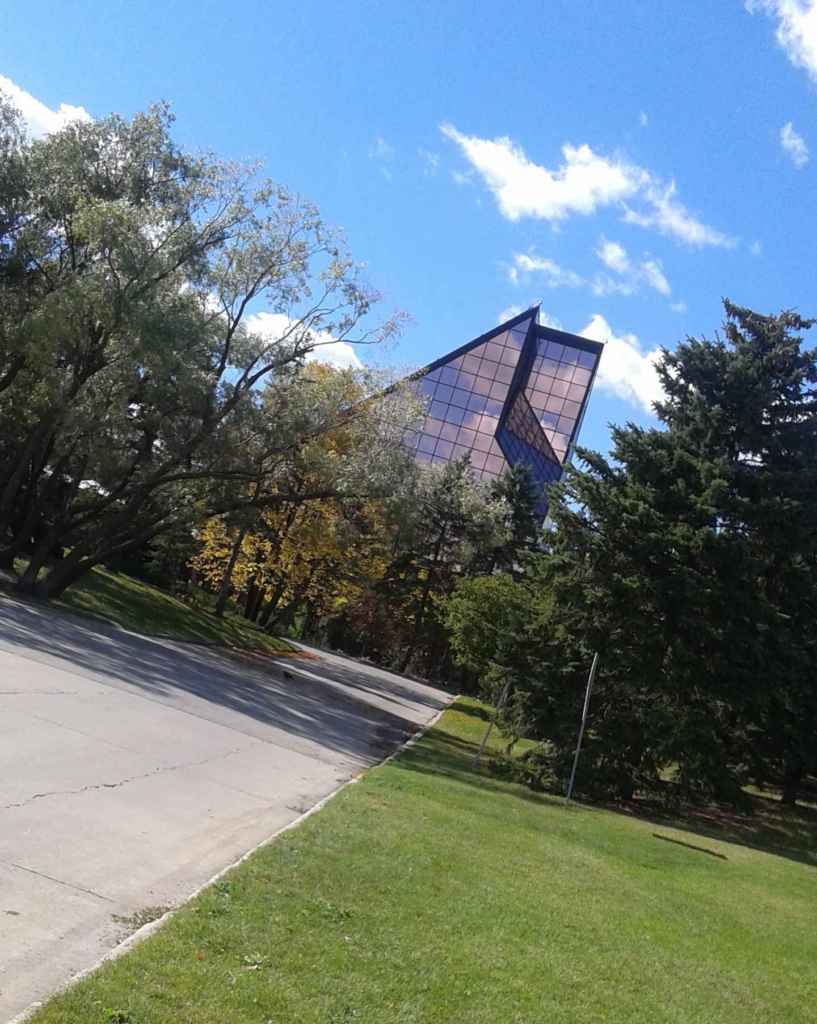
<point x="136" y="389"/>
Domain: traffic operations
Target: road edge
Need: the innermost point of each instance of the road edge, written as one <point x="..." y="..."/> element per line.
<point x="148" y="929"/>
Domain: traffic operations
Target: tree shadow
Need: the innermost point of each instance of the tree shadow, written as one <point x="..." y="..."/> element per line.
<point x="770" y="828"/>
<point x="323" y="704"/>
<point x="444" y="753"/>
<point x="690" y="846"/>
<point x="474" y="710"/>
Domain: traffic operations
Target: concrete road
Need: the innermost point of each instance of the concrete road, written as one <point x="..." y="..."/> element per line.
<point x="131" y="770"/>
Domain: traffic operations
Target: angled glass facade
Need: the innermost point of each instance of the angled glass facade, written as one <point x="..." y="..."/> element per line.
<point x="514" y="395"/>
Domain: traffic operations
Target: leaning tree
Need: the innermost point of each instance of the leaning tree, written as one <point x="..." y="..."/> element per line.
<point x="139" y="387"/>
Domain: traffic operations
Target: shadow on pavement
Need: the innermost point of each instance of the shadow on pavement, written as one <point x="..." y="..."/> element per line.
<point x="352" y="709"/>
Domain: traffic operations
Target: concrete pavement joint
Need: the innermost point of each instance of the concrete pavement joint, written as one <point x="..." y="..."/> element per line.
<point x="79" y="732"/>
<point x="121" y="782"/>
<point x="60" y="881"/>
<point x="162" y="836"/>
<point x="39" y="693"/>
<point x="148" y="929"/>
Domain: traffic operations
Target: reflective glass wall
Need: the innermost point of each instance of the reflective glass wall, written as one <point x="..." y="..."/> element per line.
<point x="517" y="394"/>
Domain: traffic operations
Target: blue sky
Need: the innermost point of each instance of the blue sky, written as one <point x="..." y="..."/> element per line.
<point x="628" y="162"/>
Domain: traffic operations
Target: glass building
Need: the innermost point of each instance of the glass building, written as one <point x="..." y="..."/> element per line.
<point x="514" y="395"/>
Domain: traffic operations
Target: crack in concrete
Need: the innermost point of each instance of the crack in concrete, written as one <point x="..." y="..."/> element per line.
<point x="59" y="881"/>
<point x="121" y="782"/>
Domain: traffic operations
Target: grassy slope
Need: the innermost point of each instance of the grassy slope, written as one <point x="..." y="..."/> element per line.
<point x="145" y="609"/>
<point x="428" y="893"/>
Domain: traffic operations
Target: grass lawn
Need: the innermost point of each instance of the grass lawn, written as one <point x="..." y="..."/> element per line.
<point x="145" y="609"/>
<point x="431" y="893"/>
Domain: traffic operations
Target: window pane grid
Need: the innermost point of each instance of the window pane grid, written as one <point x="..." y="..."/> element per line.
<point x="467" y="397"/>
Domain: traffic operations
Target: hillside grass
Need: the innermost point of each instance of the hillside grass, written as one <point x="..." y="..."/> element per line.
<point x="138" y="606"/>
<point x="430" y="892"/>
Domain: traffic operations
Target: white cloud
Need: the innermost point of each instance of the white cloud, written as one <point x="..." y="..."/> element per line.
<point x="41" y="120"/>
<point x="794" y="145"/>
<point x="678" y="307"/>
<point x="796" y="29"/>
<point x="585" y="182"/>
<point x="338" y="353"/>
<point x="381" y="150"/>
<point x="631" y="275"/>
<point x="462" y="179"/>
<point x="614" y="256"/>
<point x="522" y="188"/>
<point x="756" y="248"/>
<point x="655" y="277"/>
<point x="383" y="153"/>
<point x="643" y="120"/>
<point x="545" y="319"/>
<point x="431" y="162"/>
<point x="625" y="371"/>
<point x="327" y="350"/>
<point x="670" y="217"/>
<point x="603" y="284"/>
<point x="509" y="312"/>
<point x="550" y="273"/>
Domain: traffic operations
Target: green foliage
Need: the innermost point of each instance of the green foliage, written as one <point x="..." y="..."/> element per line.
<point x="517" y="490"/>
<point x="687" y="560"/>
<point x="537" y="768"/>
<point x="496" y="626"/>
<point x="447" y="526"/>
<point x="137" y="395"/>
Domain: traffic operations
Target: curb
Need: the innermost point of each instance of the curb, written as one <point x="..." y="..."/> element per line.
<point x="152" y="926"/>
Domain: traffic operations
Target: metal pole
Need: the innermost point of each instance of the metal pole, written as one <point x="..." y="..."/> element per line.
<point x="590" y="679"/>
<point x="499" y="708"/>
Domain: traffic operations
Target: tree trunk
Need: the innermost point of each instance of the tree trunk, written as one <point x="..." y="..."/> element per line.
<point x="309" y="623"/>
<point x="227" y="579"/>
<point x="37" y="442"/>
<point x="792" y="780"/>
<point x="249" y="597"/>
<point x="79" y="562"/>
<point x="255" y="595"/>
<point x="27" y="583"/>
<point x="271" y="605"/>
<point x="419" y="621"/>
<point x="63" y="574"/>
<point x="418" y="626"/>
<point x="266" y="610"/>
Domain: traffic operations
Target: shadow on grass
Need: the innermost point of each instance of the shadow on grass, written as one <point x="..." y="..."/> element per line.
<point x="139" y="606"/>
<point x="690" y="846"/>
<point x="473" y="711"/>
<point x="771" y="828"/>
<point x="443" y="753"/>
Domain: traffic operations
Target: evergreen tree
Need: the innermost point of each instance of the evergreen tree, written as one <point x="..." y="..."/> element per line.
<point x="517" y="490"/>
<point x="687" y="560"/>
<point x="748" y="404"/>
